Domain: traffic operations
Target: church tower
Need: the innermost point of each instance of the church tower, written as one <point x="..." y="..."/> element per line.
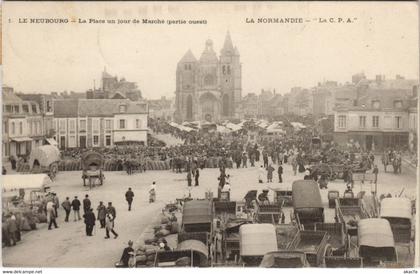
<point x="230" y="72"/>
<point x="185" y="87"/>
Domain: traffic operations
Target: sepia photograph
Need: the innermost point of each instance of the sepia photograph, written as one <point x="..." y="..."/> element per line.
<point x="210" y="134"/>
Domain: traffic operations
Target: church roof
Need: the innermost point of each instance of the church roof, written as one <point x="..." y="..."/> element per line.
<point x="208" y="55"/>
<point x="105" y="74"/>
<point x="188" y="57"/>
<point x="228" y="45"/>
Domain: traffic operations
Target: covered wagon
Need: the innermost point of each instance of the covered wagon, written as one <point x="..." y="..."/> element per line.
<point x="44" y="159"/>
<point x="92" y="165"/>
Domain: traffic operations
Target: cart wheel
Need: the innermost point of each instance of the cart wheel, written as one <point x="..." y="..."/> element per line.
<point x="327" y="252"/>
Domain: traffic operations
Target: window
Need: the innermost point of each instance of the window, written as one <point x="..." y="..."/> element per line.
<point x="34" y="108"/>
<point x="398" y="104"/>
<point x="108" y="140"/>
<point x="362" y="121"/>
<point x="82" y="126"/>
<point x="13" y="128"/>
<point x="72" y="141"/>
<point x="72" y="126"/>
<point x="49" y="107"/>
<point x="138" y="123"/>
<point x="123" y="108"/>
<point x="35" y="128"/>
<point x="375" y="121"/>
<point x="376" y="104"/>
<point x="122" y="124"/>
<point x="20" y="128"/>
<point x="95" y="125"/>
<point x="228" y="70"/>
<point x="96" y="140"/>
<point x="224" y="69"/>
<point x="62" y="126"/>
<point x="342" y="121"/>
<point x="16" y="108"/>
<point x="398" y="122"/>
<point x="30" y="127"/>
<point x="39" y="127"/>
<point x="107" y="124"/>
<point x="5" y="127"/>
<point x="25" y="108"/>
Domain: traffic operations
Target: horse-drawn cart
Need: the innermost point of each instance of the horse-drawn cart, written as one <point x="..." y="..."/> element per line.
<point x="92" y="164"/>
<point x="44" y="159"/>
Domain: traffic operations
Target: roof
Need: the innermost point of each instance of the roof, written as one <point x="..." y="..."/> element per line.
<point x="396" y="208"/>
<point x="208" y="55"/>
<point x="197" y="212"/>
<point x="228" y="45"/>
<point x="188" y="57"/>
<point x="66" y="108"/>
<point x="96" y="107"/>
<point x="10" y="97"/>
<point x="305" y="194"/>
<point x="27" y="181"/>
<point x="375" y="232"/>
<point x="257" y="239"/>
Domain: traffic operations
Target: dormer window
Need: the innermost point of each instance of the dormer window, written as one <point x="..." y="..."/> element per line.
<point x="376" y="104"/>
<point x="398" y="104"/>
<point x="123" y="108"/>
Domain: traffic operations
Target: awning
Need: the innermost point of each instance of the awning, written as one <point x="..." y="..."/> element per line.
<point x="21" y="139"/>
<point x="51" y="141"/>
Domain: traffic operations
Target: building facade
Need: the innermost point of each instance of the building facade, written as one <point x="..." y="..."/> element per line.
<point x="379" y="120"/>
<point x="23" y="127"/>
<point x="87" y="123"/>
<point x="209" y="88"/>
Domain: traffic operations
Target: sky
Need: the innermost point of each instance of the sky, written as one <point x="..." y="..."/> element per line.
<point x="55" y="57"/>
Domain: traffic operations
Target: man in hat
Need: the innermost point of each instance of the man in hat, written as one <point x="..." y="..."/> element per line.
<point x="86" y="204"/>
<point x="75" y="204"/>
<point x="90" y="219"/>
<point x="101" y="214"/>
<point x="56" y="203"/>
<point x="67" y="208"/>
<point x="111" y="210"/>
<point x="127" y="252"/>
<point x="280" y="172"/>
<point x="129" y="195"/>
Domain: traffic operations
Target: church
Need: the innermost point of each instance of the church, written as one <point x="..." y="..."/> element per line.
<point x="209" y="89"/>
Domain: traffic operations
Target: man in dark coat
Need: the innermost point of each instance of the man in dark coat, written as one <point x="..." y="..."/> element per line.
<point x="129" y="195"/>
<point x="189" y="179"/>
<point x="86" y="204"/>
<point x="67" y="208"/>
<point x="280" y="172"/>
<point x="101" y="214"/>
<point x="111" y="210"/>
<point x="75" y="204"/>
<point x="128" y="251"/>
<point x="197" y="175"/>
<point x="90" y="219"/>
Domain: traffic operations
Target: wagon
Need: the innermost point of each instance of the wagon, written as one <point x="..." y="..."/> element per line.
<point x="284" y="259"/>
<point x="92" y="165"/>
<point x="44" y="159"/>
<point x="349" y="211"/>
<point x="256" y="240"/>
<point x="337" y="238"/>
<point x="197" y="216"/>
<point x="269" y="213"/>
<point x="307" y="204"/>
<point x="229" y="244"/>
<point x="398" y="213"/>
<point x="285" y="234"/>
<point x="282" y="196"/>
<point x="343" y="262"/>
<point x="313" y="244"/>
<point x="189" y="253"/>
<point x="376" y="242"/>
